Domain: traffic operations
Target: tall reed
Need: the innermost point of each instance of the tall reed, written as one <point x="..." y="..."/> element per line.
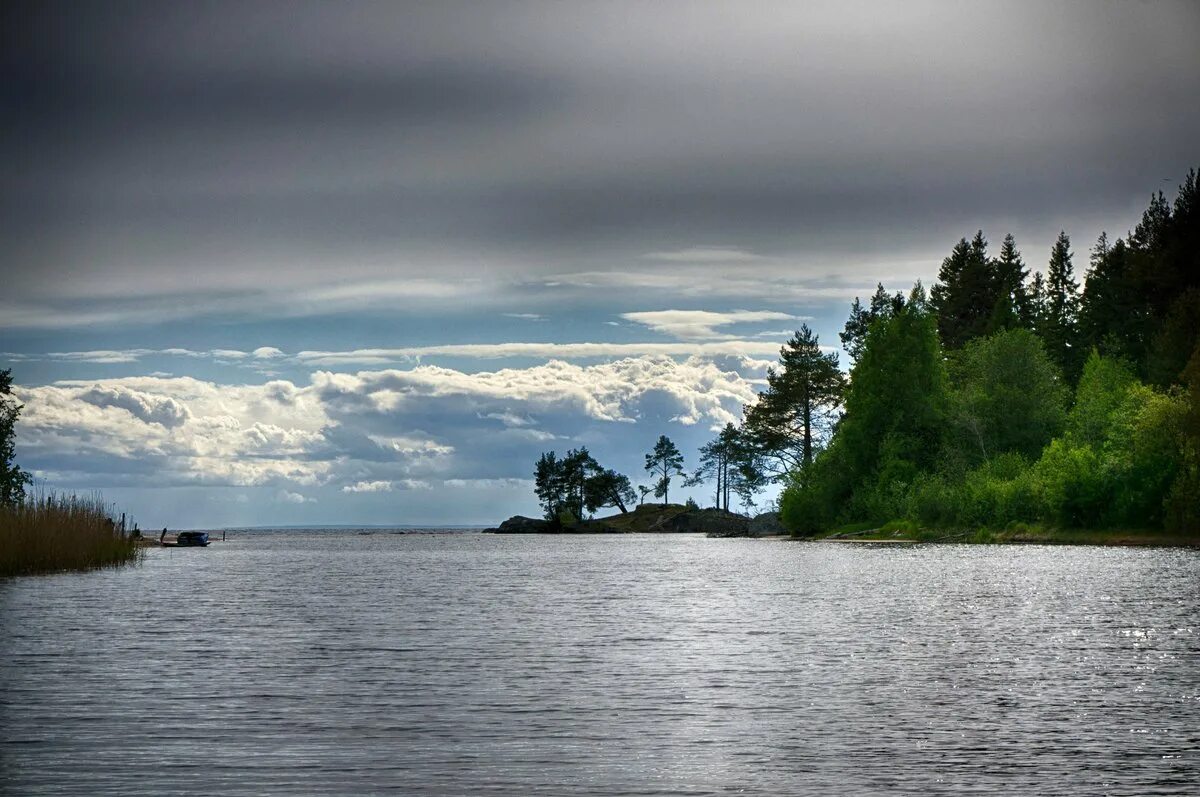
<point x="49" y="532"/>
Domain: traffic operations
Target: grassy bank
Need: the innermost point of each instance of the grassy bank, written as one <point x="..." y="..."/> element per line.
<point x="59" y="532"/>
<point x="1018" y="533"/>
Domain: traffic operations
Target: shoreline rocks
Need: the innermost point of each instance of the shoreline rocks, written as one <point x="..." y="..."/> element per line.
<point x="653" y="519"/>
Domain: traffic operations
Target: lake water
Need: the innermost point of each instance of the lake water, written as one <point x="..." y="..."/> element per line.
<point x="339" y="663"/>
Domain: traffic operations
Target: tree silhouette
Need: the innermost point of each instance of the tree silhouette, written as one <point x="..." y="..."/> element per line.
<point x="664" y="461"/>
<point x="12" y="478"/>
<point x="799" y="405"/>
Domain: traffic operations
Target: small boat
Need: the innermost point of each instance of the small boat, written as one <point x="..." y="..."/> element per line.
<point x="190" y="539"/>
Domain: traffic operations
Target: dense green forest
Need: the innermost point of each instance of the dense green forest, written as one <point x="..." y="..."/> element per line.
<point x="1001" y="398"/>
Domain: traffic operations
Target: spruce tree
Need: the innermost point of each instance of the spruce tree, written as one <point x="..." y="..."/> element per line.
<point x="1012" y="303"/>
<point x="854" y="334"/>
<point x="1062" y="300"/>
<point x="966" y="294"/>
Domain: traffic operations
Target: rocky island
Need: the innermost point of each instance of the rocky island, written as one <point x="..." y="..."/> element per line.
<point x="653" y="519"/>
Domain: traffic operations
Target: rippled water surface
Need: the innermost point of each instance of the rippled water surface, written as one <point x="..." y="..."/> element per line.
<point x="338" y="663"/>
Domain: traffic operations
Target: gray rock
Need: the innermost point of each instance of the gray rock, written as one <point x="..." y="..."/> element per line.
<point x="713" y="522"/>
<point x="519" y="524"/>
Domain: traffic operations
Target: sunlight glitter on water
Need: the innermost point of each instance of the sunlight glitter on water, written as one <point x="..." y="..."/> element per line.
<point x="339" y="663"/>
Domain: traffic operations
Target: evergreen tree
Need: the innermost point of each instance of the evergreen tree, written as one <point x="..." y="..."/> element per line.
<point x="798" y="408"/>
<point x="1113" y="316"/>
<point x="1012" y="304"/>
<point x="664" y="462"/>
<point x="548" y="484"/>
<point x="854" y="334"/>
<point x="897" y="403"/>
<point x="1062" y="299"/>
<point x="606" y="487"/>
<point x="12" y="478"/>
<point x="577" y="466"/>
<point x="577" y="484"/>
<point x="733" y="462"/>
<point x="967" y="292"/>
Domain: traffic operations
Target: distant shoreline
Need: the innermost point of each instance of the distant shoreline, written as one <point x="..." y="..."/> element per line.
<point x="1028" y="535"/>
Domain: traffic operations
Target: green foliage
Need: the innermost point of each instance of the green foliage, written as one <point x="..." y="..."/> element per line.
<point x="1175" y="340"/>
<point x="1183" y="501"/>
<point x="804" y="509"/>
<point x="1058" y="326"/>
<point x="12" y="479"/>
<point x="1071" y="483"/>
<point x="606" y="487"/>
<point x="969" y="288"/>
<point x="576" y="484"/>
<point x="1144" y="453"/>
<point x="734" y="463"/>
<point x="882" y="305"/>
<point x="1007" y="397"/>
<point x="897" y="403"/>
<point x="1102" y="389"/>
<point x="1012" y="308"/>
<point x="800" y="403"/>
<point x="994" y="446"/>
<point x="892" y="428"/>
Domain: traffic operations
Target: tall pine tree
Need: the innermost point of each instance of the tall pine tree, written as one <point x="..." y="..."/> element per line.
<point x="1060" y="331"/>
<point x="798" y="408"/>
<point x="1012" y="308"/>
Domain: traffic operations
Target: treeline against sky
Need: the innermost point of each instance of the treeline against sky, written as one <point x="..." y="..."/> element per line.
<point x="1004" y="396"/>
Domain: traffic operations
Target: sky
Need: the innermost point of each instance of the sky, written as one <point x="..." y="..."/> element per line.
<point x="314" y="263"/>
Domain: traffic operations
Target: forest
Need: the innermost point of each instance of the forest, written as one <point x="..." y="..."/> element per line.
<point x="1002" y="396"/>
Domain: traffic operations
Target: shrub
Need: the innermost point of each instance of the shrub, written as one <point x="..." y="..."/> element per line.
<point x="803" y="510"/>
<point x="1071" y="483"/>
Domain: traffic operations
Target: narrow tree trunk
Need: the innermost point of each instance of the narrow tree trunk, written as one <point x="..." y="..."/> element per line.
<point x="807" y="453"/>
<point x="718" y="482"/>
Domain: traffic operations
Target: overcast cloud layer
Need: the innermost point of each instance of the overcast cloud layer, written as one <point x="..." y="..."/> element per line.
<point x="281" y="193"/>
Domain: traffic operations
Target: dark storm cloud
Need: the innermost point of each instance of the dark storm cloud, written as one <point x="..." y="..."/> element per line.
<point x="209" y="146"/>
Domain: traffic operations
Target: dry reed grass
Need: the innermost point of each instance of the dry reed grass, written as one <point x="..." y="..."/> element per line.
<point x="50" y="532"/>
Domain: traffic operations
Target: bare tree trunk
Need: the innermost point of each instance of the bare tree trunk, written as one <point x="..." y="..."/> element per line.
<point x="807" y="429"/>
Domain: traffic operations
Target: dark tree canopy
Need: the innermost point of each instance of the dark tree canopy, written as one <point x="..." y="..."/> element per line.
<point x="1059" y="407"/>
<point x="12" y="478"/>
<point x="734" y="463"/>
<point x="1008" y="396"/>
<point x="798" y="408"/>
<point x="577" y="484"/>
<point x="608" y="488"/>
<point x="1012" y="309"/>
<point x="967" y="292"/>
<point x="1059" y="325"/>
<point x="854" y="335"/>
<point x="664" y="462"/>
